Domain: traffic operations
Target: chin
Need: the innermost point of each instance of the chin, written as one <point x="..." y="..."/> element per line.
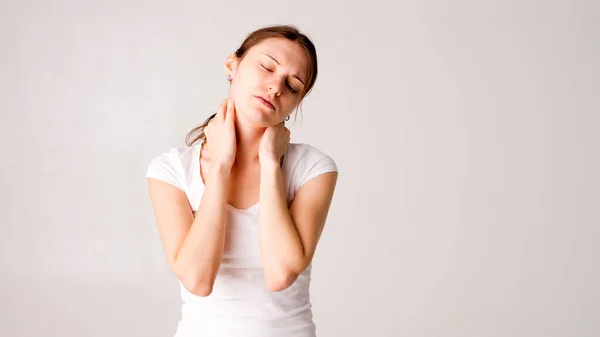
<point x="259" y="116"/>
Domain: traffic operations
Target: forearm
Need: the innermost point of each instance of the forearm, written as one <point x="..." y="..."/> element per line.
<point x="282" y="254"/>
<point x="199" y="257"/>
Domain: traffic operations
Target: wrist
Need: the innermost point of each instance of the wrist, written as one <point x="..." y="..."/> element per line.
<point x="218" y="170"/>
<point x="270" y="162"/>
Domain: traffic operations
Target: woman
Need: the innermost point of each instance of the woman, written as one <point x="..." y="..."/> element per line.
<point x="240" y="214"/>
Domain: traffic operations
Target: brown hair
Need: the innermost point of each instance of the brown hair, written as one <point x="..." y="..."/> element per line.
<point x="286" y="31"/>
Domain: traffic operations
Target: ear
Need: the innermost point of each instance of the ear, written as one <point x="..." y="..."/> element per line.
<point x="231" y="65"/>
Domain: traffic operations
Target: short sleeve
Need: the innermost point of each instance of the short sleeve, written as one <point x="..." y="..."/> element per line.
<point x="168" y="168"/>
<point x="315" y="163"/>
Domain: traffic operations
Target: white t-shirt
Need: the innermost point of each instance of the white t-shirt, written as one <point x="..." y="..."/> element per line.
<point x="240" y="305"/>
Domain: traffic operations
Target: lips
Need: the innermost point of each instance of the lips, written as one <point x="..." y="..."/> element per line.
<point x="266" y="102"/>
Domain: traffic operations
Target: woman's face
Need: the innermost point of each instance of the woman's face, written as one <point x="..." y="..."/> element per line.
<point x="276" y="70"/>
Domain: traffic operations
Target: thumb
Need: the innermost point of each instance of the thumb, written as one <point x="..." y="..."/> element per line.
<point x="230" y="111"/>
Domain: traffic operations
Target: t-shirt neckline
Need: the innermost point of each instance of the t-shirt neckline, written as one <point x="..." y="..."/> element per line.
<point x="198" y="176"/>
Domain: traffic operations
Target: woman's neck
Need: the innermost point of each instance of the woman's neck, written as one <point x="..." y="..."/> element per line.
<point x="247" y="142"/>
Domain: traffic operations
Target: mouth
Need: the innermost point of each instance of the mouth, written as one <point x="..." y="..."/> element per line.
<point x="265" y="102"/>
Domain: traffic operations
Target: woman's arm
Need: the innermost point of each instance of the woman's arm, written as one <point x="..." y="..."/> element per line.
<point x="288" y="238"/>
<point x="194" y="246"/>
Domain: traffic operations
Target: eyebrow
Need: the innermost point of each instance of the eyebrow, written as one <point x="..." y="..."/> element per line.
<point x="296" y="76"/>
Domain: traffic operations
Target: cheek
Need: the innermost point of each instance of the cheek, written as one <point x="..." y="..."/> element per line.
<point x="249" y="80"/>
<point x="288" y="105"/>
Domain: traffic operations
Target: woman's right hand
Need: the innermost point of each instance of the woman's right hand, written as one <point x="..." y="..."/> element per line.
<point x="220" y="136"/>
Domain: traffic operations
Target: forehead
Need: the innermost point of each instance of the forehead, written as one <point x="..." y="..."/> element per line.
<point x="288" y="53"/>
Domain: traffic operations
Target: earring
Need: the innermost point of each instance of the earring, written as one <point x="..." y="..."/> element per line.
<point x="229" y="78"/>
<point x="287" y="118"/>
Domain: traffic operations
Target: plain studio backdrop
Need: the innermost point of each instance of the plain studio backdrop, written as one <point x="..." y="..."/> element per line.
<point x="466" y="135"/>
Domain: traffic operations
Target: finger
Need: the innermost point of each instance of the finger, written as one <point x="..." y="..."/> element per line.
<point x="205" y="151"/>
<point x="230" y="111"/>
<point x="207" y="131"/>
<point x="221" y="111"/>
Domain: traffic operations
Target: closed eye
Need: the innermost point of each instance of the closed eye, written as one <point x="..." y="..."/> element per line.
<point x="289" y="86"/>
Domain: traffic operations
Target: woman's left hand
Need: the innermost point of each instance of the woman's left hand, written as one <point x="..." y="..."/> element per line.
<point x="274" y="143"/>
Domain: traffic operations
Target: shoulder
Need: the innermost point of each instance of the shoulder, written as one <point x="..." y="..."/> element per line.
<point x="172" y="166"/>
<point x="306" y="162"/>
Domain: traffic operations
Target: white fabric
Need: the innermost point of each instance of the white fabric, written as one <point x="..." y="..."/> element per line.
<point x="240" y="304"/>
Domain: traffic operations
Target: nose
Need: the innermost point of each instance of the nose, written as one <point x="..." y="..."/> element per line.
<point x="275" y="87"/>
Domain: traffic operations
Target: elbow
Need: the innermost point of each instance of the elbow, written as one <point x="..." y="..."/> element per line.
<point x="198" y="282"/>
<point x="202" y="291"/>
<point x="280" y="281"/>
<point x="199" y="285"/>
<point x="282" y="277"/>
<point x="199" y="288"/>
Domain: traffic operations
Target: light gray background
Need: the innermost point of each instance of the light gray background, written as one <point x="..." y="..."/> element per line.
<point x="466" y="134"/>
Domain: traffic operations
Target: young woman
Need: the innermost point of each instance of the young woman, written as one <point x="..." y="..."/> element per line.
<point x="240" y="214"/>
